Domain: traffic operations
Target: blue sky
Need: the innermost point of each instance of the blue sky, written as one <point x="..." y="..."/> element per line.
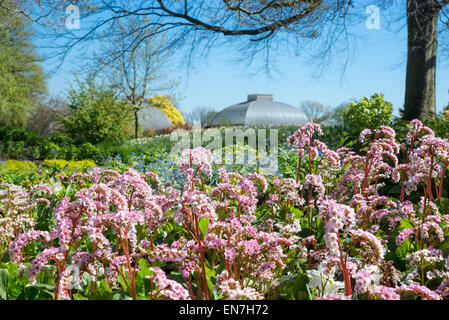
<point x="377" y="66"/>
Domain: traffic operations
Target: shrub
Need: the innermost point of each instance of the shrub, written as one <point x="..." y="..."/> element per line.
<point x="368" y="113"/>
<point x="339" y="113"/>
<point x="15" y="149"/>
<point x="16" y="165"/>
<point x="95" y="114"/>
<point x="89" y="151"/>
<point x="168" y="130"/>
<point x="20" y="143"/>
<point x="184" y="126"/>
<point x="61" y="140"/>
<point x="81" y="164"/>
<point x="440" y="126"/>
<point x="150" y="132"/>
<point x="49" y="149"/>
<point x="11" y="133"/>
<point x="78" y="165"/>
<point x="52" y="162"/>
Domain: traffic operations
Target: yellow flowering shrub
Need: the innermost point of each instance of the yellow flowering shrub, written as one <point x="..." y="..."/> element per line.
<point x="18" y="165"/>
<point x="164" y="104"/>
<point x="70" y="164"/>
<point x="446" y="114"/>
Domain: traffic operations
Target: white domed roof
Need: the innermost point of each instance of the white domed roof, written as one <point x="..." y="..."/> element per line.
<point x="260" y="109"/>
<point x="154" y="118"/>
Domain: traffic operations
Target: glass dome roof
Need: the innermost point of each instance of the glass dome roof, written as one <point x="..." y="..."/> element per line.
<point x="154" y="118"/>
<point x="260" y="109"/>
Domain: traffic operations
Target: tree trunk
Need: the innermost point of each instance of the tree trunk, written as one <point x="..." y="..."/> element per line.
<point x="422" y="18"/>
<point x="136" y="124"/>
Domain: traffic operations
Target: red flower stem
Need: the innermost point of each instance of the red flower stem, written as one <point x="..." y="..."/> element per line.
<point x="344" y="270"/>
<point x="202" y="254"/>
<point x="440" y="193"/>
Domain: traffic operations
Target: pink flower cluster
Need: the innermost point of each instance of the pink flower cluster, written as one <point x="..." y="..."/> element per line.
<point x="166" y="287"/>
<point x="336" y="216"/>
<point x="199" y="158"/>
<point x="372" y="215"/>
<point x="303" y="137"/>
<point x="231" y="289"/>
<point x="113" y="203"/>
<point x="16" y="208"/>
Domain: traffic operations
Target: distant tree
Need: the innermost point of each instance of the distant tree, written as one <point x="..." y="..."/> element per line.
<point x="315" y="111"/>
<point x="339" y="111"/>
<point x="136" y="73"/>
<point x="44" y="119"/>
<point x="201" y="113"/>
<point x="22" y="82"/>
<point x="208" y="117"/>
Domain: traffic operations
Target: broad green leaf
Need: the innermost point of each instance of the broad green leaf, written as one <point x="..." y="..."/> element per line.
<point x="444" y="246"/>
<point x="121" y="296"/>
<point x="46" y="288"/>
<point x="15" y="289"/>
<point x="4" y="280"/>
<point x="102" y="294"/>
<point x="403" y="249"/>
<point x="41" y="286"/>
<point x="298" y="213"/>
<point x="209" y="272"/>
<point x="79" y="296"/>
<point x="210" y="285"/>
<point x="174" y="275"/>
<point x="405" y="223"/>
<point x="203" y="223"/>
<point x="292" y="287"/>
<point x="395" y="189"/>
<point x="144" y="268"/>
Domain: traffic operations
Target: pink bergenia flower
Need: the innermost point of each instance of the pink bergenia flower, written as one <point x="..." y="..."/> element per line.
<point x="417" y="290"/>
<point x="416" y="127"/>
<point x="303" y="137"/>
<point x="167" y="288"/>
<point x="334" y="296"/>
<point x="364" y="133"/>
<point x="372" y="242"/>
<point x="362" y="281"/>
<point x="199" y="157"/>
<point x="405" y="234"/>
<point x="336" y="216"/>
<point x="383" y="293"/>
<point x="315" y="181"/>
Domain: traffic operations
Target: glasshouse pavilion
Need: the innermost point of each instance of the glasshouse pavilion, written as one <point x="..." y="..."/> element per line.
<point x="260" y="109"/>
<point x="151" y="117"/>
